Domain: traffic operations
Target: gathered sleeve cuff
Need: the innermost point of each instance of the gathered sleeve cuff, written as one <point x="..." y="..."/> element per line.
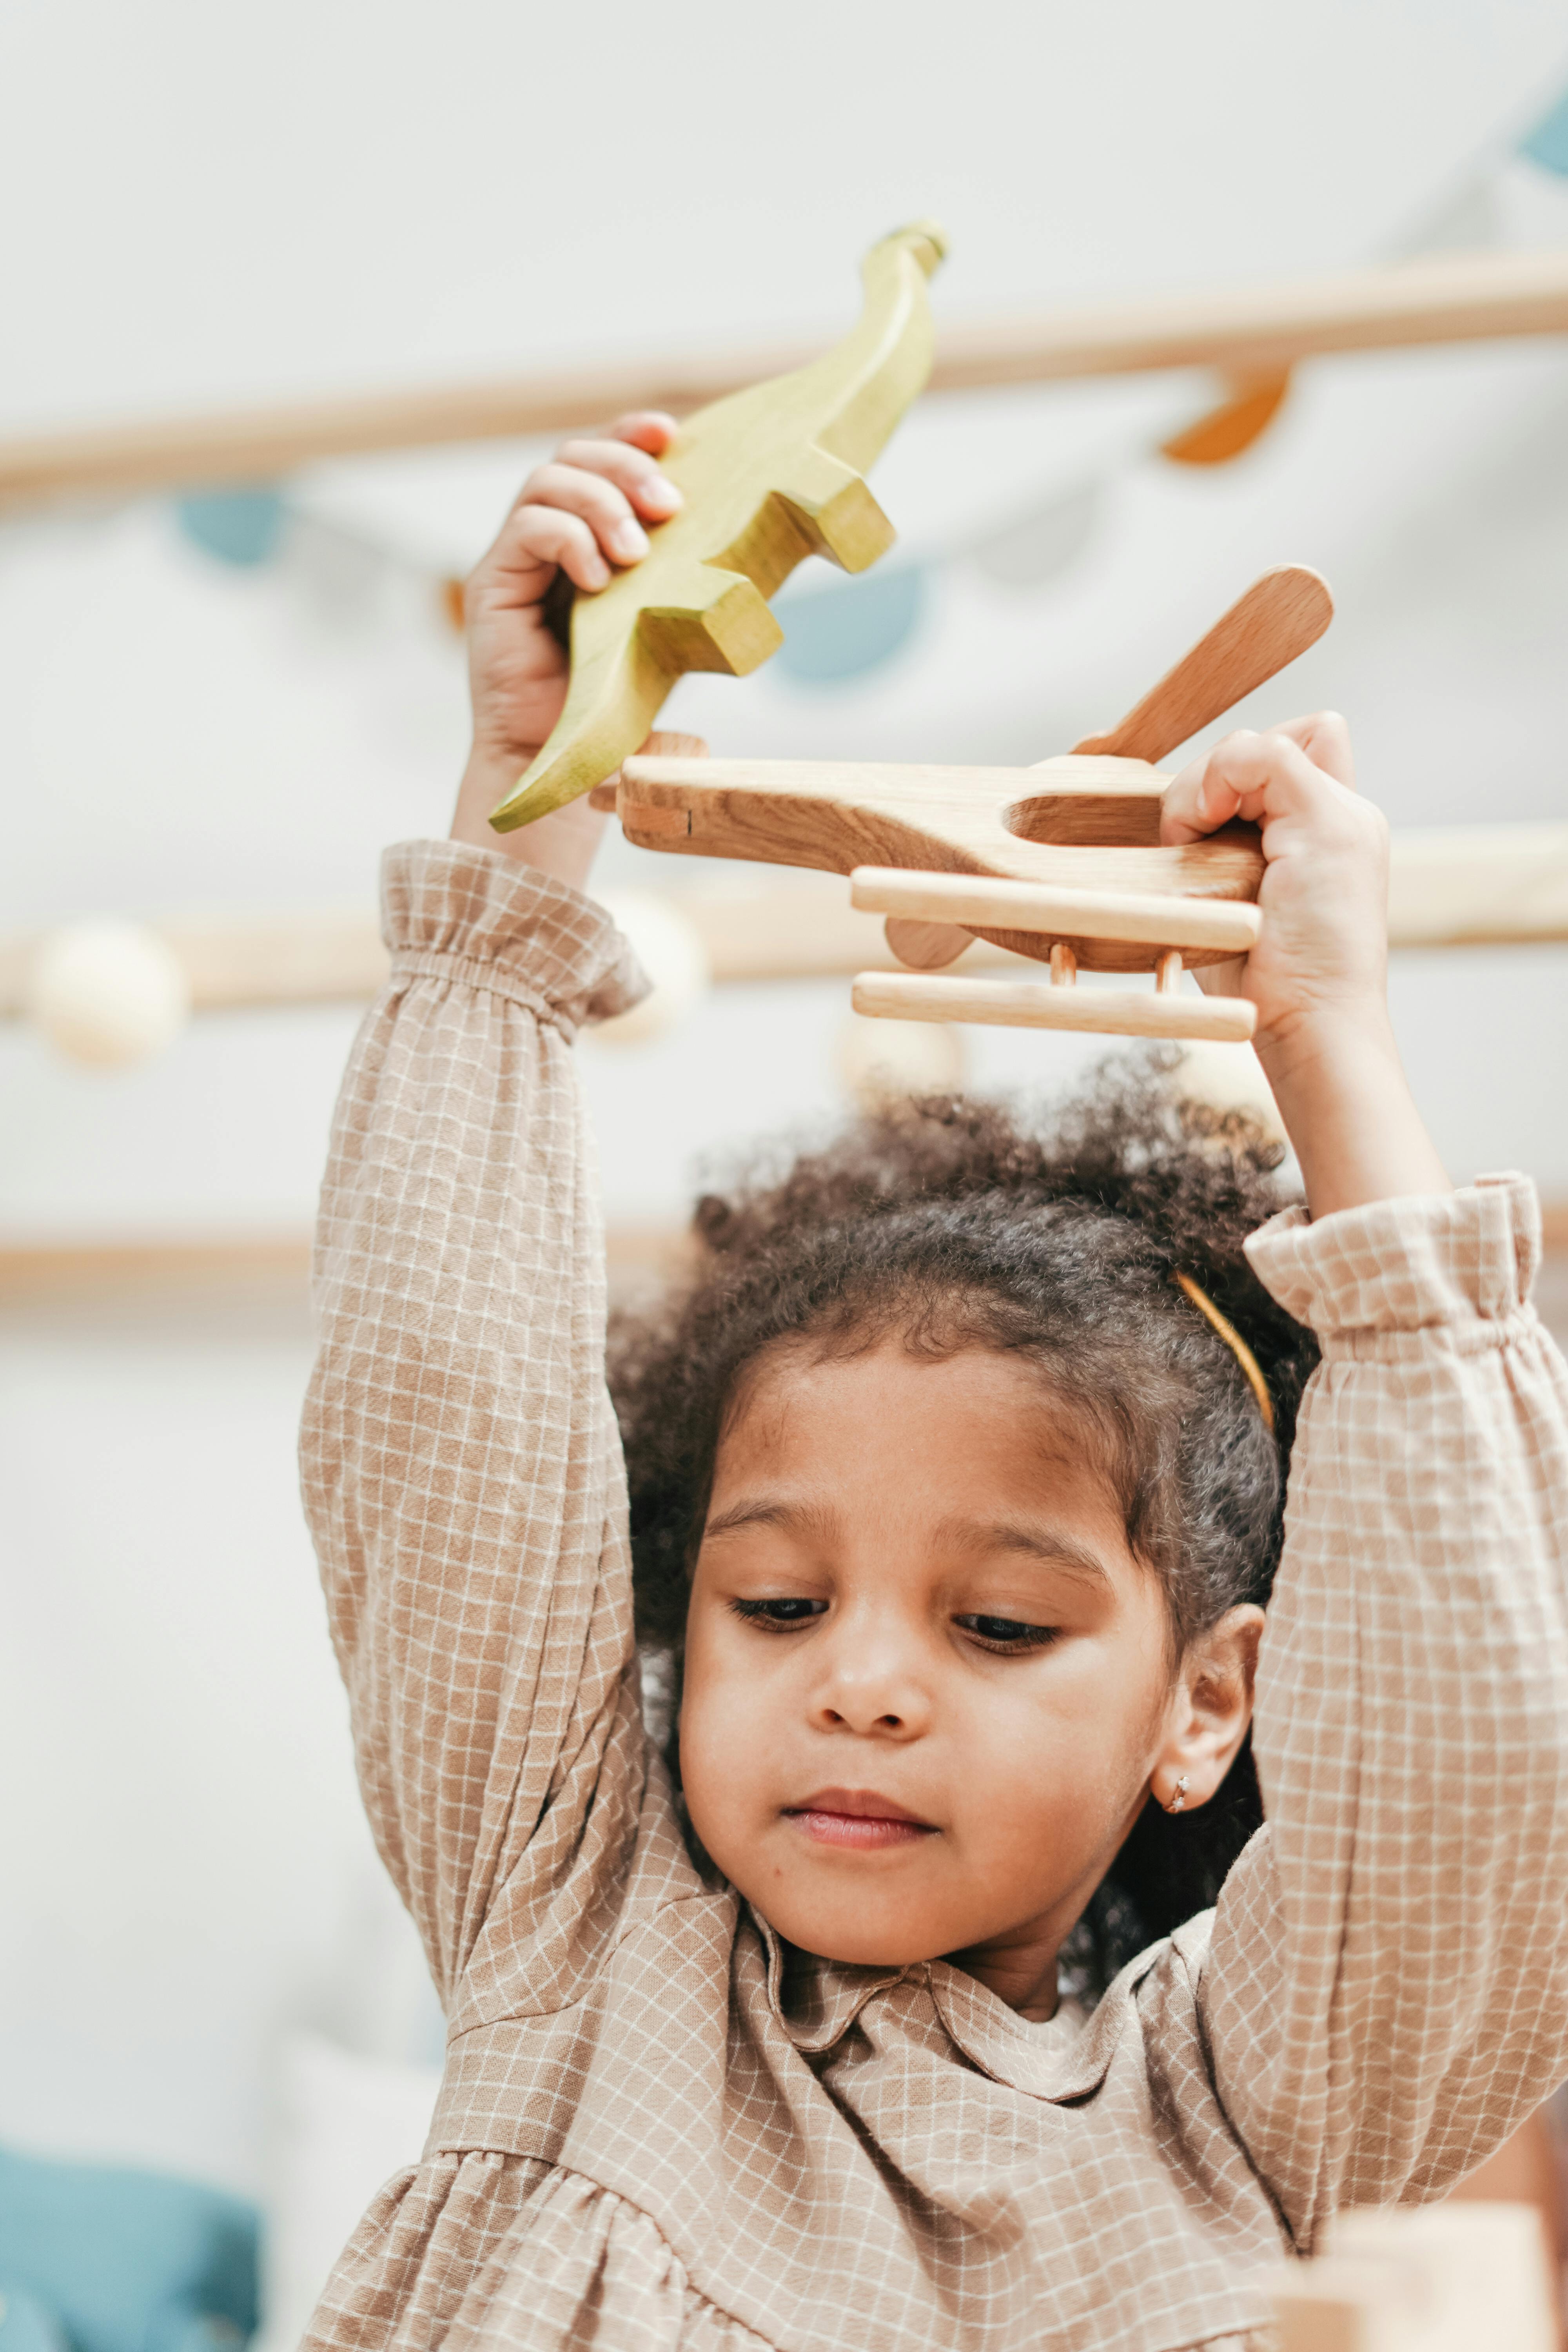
<point x="1458" y="1264"/>
<point x="453" y="912"/>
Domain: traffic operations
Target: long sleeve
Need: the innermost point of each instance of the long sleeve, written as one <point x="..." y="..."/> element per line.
<point x="461" y="1467"/>
<point x="1385" y="1993"/>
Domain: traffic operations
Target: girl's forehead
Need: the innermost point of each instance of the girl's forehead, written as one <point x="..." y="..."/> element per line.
<point x="808" y="1377"/>
<point x="886" y="1421"/>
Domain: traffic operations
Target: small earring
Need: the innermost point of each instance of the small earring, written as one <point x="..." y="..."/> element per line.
<point x="1178" y="1803"/>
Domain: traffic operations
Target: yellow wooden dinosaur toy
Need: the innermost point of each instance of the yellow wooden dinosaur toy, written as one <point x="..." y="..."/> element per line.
<point x="769" y="475"/>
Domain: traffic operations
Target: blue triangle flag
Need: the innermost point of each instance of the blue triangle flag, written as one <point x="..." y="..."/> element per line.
<point x="1548" y="142"/>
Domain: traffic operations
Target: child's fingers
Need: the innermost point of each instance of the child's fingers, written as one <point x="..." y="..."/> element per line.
<point x="605" y="508"/>
<point x="647" y="428"/>
<point x="582" y="512"/>
<point x="1326" y="740"/>
<point x="539" y="536"/>
<point x="1258" y="777"/>
<point x="631" y="471"/>
<point x="1204" y="795"/>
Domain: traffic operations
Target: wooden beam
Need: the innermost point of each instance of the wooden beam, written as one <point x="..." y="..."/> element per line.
<point x="1477" y="885"/>
<point x="1464" y="886"/>
<point x="154" y="1266"/>
<point x="249" y="962"/>
<point x="1446" y="299"/>
<point x="164" y="1266"/>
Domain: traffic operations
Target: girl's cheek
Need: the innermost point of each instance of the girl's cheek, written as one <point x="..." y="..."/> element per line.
<point x="716" y="1756"/>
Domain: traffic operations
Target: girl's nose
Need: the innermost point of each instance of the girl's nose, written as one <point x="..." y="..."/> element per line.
<point x="872" y="1680"/>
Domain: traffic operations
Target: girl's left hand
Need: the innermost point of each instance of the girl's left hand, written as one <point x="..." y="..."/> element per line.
<point x="1323" y="956"/>
<point x="1318" y="973"/>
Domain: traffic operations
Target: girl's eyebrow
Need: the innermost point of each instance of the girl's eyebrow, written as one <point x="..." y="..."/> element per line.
<point x="802" y="1518"/>
<point x="1053" y="1546"/>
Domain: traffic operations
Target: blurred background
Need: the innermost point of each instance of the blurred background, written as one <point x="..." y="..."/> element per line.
<point x="218" y="704"/>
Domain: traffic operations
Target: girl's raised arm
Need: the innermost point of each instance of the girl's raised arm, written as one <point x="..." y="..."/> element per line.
<point x="461" y="1467"/>
<point x="1385" y="1993"/>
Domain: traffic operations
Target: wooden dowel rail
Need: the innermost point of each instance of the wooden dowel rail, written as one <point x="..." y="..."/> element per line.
<point x="1468" y="886"/>
<point x="1447" y="299"/>
<point x="1167" y="1011"/>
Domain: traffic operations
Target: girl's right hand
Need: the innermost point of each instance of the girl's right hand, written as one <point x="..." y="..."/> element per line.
<point x="1318" y="975"/>
<point x="582" y="513"/>
<point x="1323" y="956"/>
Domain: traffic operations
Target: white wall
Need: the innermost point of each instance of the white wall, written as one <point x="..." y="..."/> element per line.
<point x="203" y="207"/>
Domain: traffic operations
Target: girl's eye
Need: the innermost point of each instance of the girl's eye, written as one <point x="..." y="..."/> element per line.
<point x="778" y="1616"/>
<point x="1007" y="1635"/>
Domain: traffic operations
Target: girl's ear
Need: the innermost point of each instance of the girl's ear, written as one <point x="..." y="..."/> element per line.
<point x="1210" y="1709"/>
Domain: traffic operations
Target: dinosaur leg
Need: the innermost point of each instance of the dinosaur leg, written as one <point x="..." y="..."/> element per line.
<point x="708" y="619"/>
<point x="831" y="506"/>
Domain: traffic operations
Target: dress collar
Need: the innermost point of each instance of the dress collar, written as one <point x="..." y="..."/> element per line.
<point x="817" y="2002"/>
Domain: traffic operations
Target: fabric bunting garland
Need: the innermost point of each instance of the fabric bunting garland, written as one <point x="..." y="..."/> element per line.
<point x="241" y="527"/>
<point x="1547" y="144"/>
<point x="838" y="634"/>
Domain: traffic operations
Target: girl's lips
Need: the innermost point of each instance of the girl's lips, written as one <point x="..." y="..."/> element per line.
<point x="856" y="1818"/>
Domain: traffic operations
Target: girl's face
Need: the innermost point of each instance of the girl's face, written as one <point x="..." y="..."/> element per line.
<point x="928" y="1688"/>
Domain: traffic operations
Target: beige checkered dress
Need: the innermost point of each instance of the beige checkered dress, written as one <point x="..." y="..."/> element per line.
<point x="647" y="2139"/>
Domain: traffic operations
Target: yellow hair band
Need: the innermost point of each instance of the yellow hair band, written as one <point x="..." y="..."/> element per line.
<point x="1235" y="1342"/>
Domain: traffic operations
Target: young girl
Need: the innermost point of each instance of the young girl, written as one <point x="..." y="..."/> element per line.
<point x="955" y="1495"/>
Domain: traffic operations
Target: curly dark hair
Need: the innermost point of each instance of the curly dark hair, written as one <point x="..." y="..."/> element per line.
<point x="960" y="1223"/>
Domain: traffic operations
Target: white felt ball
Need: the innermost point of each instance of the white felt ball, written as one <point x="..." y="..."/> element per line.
<point x="880" y="1061"/>
<point x="108" y="994"/>
<point x="1229" y="1078"/>
<point x="670" y="950"/>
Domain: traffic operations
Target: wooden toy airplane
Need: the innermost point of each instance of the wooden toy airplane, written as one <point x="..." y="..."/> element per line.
<point x="1060" y="861"/>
